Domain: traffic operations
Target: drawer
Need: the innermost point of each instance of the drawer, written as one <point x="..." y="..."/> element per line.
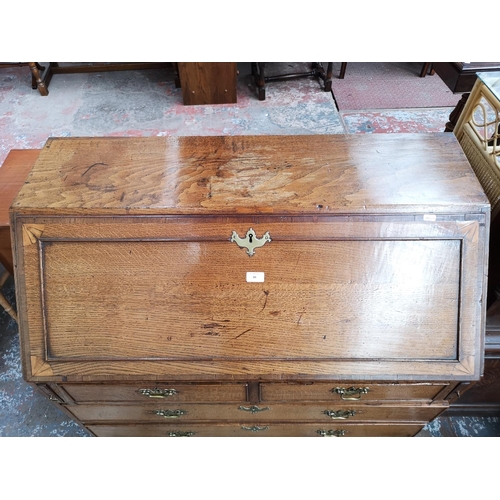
<point x="349" y="391"/>
<point x="255" y="413"/>
<point x="83" y="393"/>
<point x="264" y="429"/>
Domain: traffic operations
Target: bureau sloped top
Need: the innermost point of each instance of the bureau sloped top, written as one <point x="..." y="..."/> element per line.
<point x="201" y="258"/>
<point x="314" y="174"/>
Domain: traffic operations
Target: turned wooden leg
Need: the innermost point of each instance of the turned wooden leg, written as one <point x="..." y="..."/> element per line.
<point x="343" y="67"/>
<point x="425" y="69"/>
<point x="258" y="73"/>
<point x="36" y="79"/>
<point x="328" y="79"/>
<point x="319" y="71"/>
<point x="177" y="79"/>
<point x="3" y="301"/>
<point x="455" y="114"/>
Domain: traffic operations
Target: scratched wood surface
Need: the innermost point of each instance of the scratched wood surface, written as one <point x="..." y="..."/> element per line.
<point x="352" y="284"/>
<point x="251" y="174"/>
<point x="191" y="300"/>
<point x="374" y="276"/>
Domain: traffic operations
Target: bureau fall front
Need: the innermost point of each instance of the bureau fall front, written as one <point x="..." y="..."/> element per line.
<point x="252" y="286"/>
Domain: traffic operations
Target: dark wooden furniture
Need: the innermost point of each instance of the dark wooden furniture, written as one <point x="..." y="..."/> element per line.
<point x="478" y="132"/>
<point x="317" y="70"/>
<point x="13" y="173"/>
<point x="252" y="286"/>
<point x="460" y="78"/>
<point x="482" y="399"/>
<point x="35" y="68"/>
<point x="42" y="75"/>
<point x="426" y="68"/>
<point x="207" y="82"/>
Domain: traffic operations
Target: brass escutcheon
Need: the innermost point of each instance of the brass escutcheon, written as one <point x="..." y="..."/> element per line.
<point x="158" y="393"/>
<point x="180" y="433"/>
<point x="255" y="428"/>
<point x="250" y="241"/>
<point x="253" y="409"/>
<point x="170" y="413"/>
<point x="330" y="433"/>
<point x="352" y="393"/>
<point x="340" y="414"/>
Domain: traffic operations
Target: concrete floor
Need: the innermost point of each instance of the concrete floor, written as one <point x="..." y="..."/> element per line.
<point x="146" y="103"/>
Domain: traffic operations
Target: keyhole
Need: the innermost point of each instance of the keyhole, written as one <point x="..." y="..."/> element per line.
<point x="250" y="236"/>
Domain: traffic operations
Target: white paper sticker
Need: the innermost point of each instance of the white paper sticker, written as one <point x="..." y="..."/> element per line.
<point x="430" y="217"/>
<point x="255" y="277"/>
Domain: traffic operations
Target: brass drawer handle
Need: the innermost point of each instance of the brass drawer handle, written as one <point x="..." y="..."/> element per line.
<point x="253" y="409"/>
<point x="180" y="434"/>
<point x="255" y="428"/>
<point x="330" y="433"/>
<point x="158" y="393"/>
<point x="170" y="413"/>
<point x="250" y="241"/>
<point x="340" y="414"/>
<point x="351" y="394"/>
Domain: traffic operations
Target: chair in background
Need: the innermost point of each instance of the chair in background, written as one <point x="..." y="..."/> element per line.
<point x="35" y="70"/>
<point x="317" y="71"/>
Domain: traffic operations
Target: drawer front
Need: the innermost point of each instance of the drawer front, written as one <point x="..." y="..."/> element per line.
<point x="264" y="429"/>
<point x="349" y="391"/>
<point x="254" y="413"/>
<point x="148" y="392"/>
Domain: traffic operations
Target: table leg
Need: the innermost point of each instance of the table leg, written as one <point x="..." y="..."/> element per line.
<point x="3" y="301"/>
<point x="260" y="82"/>
<point x="455" y="114"/>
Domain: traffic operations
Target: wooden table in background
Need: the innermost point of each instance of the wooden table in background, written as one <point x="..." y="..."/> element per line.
<point x="13" y="173"/>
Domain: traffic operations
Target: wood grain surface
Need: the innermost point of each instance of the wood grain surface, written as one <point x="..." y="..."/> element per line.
<point x="271" y="413"/>
<point x="185" y="301"/>
<point x="243" y="429"/>
<point x="13" y="173"/>
<point x="131" y="274"/>
<point x="208" y="82"/>
<point x="318" y="174"/>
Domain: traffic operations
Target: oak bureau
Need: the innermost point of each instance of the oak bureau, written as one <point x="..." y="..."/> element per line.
<point x="252" y="286"/>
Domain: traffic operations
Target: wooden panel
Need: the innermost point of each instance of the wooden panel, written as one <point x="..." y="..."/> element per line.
<point x="277" y="412"/>
<point x="13" y="173"/>
<point x="207" y="273"/>
<point x="326" y="391"/>
<point x="320" y="300"/>
<point x="208" y="82"/>
<point x="276" y="430"/>
<point x="461" y="76"/>
<point x="127" y="279"/>
<point x="6" y="255"/>
<point x="316" y="174"/>
<point x="483" y="398"/>
<point x="199" y="393"/>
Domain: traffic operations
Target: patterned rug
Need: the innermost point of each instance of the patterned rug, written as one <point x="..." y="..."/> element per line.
<point x="389" y="86"/>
